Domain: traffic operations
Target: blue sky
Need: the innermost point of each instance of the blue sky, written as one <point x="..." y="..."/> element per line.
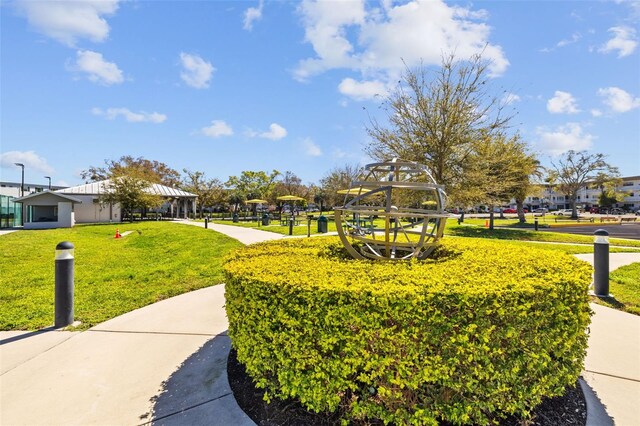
<point x="222" y="87"/>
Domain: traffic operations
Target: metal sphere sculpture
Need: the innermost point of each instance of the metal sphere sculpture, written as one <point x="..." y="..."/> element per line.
<point x="396" y="212"/>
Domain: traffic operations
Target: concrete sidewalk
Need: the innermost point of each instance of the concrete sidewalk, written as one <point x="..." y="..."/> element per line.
<point x="612" y="365"/>
<point x="166" y="364"/>
<point x="244" y="235"/>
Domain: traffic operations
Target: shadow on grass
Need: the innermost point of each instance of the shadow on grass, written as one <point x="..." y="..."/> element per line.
<point x="609" y="302"/>
<point x="496" y="233"/>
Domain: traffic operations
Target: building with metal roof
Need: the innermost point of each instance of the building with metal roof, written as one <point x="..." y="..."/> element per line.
<point x="83" y="204"/>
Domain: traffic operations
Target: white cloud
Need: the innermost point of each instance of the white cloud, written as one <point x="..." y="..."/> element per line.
<point x="375" y="41"/>
<point x="197" y="72"/>
<point x="564" y="138"/>
<point x="252" y="14"/>
<point x="132" y="117"/>
<point x="562" y="103"/>
<point x="624" y="41"/>
<point x="218" y="128"/>
<point x="310" y="148"/>
<point x="510" y="98"/>
<point x="362" y="90"/>
<point x="574" y="38"/>
<point x="31" y="161"/>
<point x="274" y="133"/>
<point x="98" y="70"/>
<point x="68" y="21"/>
<point x="596" y="113"/>
<point x="338" y="153"/>
<point x="618" y="100"/>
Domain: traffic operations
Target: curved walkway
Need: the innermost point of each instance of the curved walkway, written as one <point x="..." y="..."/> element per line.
<point x="166" y="364"/>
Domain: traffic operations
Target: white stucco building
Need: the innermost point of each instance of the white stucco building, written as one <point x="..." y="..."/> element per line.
<point x="588" y="197"/>
<point x="81" y="204"/>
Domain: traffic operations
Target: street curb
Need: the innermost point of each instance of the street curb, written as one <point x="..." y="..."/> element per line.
<point x="596" y="413"/>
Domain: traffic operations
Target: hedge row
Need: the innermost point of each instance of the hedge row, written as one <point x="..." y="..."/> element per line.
<point x="483" y="331"/>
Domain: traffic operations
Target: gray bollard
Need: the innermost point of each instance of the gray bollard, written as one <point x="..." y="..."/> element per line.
<point x="64" y="284"/>
<point x="535" y="224"/>
<point x="601" y="263"/>
<point x="206" y="223"/>
<point x="291" y="225"/>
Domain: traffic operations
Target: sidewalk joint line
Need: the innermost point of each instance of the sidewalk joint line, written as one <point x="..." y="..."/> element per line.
<point x="39" y="354"/>
<point x="185" y="409"/>
<point x="159" y="332"/>
<point x="613" y="375"/>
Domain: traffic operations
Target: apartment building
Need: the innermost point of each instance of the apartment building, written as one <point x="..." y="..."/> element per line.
<point x="587" y="197"/>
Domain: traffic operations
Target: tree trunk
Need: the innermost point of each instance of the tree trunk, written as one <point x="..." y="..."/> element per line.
<point x="491" y="219"/>
<point x="461" y="217"/>
<point x="574" y="210"/>
<point x="520" y="208"/>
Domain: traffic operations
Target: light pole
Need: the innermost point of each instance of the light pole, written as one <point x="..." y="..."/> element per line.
<point x="49" y="177"/>
<point x="22" y="181"/>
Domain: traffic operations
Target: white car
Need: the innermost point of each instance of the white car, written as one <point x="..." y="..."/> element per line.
<point x="540" y="210"/>
<point x="563" y="212"/>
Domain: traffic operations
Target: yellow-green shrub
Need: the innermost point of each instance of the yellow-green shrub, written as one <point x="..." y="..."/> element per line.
<point x="482" y="331"/>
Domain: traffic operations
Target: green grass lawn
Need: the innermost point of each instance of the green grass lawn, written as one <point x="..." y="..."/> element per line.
<point x="275" y="226"/>
<point x="469" y="230"/>
<point x="112" y="276"/>
<point x="624" y="285"/>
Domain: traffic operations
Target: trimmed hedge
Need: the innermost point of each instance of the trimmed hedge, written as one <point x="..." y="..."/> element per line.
<point x="482" y="331"/>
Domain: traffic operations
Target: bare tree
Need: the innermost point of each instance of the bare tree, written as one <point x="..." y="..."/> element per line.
<point x="574" y="170"/>
<point x="435" y="117"/>
<point x="336" y="179"/>
<point x="209" y="191"/>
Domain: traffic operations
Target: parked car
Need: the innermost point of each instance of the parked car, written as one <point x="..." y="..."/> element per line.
<point x="510" y="211"/>
<point x="540" y="210"/>
<point x="617" y="211"/>
<point x="563" y="212"/>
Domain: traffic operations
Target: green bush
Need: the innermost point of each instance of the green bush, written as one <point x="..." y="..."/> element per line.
<point x="480" y="332"/>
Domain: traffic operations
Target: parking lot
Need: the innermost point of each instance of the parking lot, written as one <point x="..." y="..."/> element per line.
<point x="625" y="230"/>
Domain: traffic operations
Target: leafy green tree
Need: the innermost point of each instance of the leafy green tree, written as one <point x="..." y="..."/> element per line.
<point x="131" y="192"/>
<point x="319" y="196"/>
<point x="437" y="117"/>
<point x="528" y="173"/>
<point x="574" y="170"/>
<point x="149" y="170"/>
<point x="250" y="184"/>
<point x="497" y="170"/>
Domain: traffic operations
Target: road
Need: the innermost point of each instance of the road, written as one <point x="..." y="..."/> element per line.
<point x="626" y="230"/>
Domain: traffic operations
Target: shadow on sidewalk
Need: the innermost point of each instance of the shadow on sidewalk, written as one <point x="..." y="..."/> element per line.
<point x="27" y="335"/>
<point x="198" y="392"/>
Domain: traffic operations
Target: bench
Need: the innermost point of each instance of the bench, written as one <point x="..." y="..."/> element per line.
<point x="579" y="219"/>
<point x="628" y="219"/>
<point x="609" y="219"/>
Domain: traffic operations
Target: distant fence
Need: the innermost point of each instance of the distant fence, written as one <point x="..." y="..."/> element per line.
<point x="10" y="212"/>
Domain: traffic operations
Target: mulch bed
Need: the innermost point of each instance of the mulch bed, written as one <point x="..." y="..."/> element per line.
<point x="567" y="410"/>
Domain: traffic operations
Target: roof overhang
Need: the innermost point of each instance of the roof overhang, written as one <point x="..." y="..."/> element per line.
<point x="48" y="193"/>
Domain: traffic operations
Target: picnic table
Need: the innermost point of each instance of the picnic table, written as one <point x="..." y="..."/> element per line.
<point x="284" y="221"/>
